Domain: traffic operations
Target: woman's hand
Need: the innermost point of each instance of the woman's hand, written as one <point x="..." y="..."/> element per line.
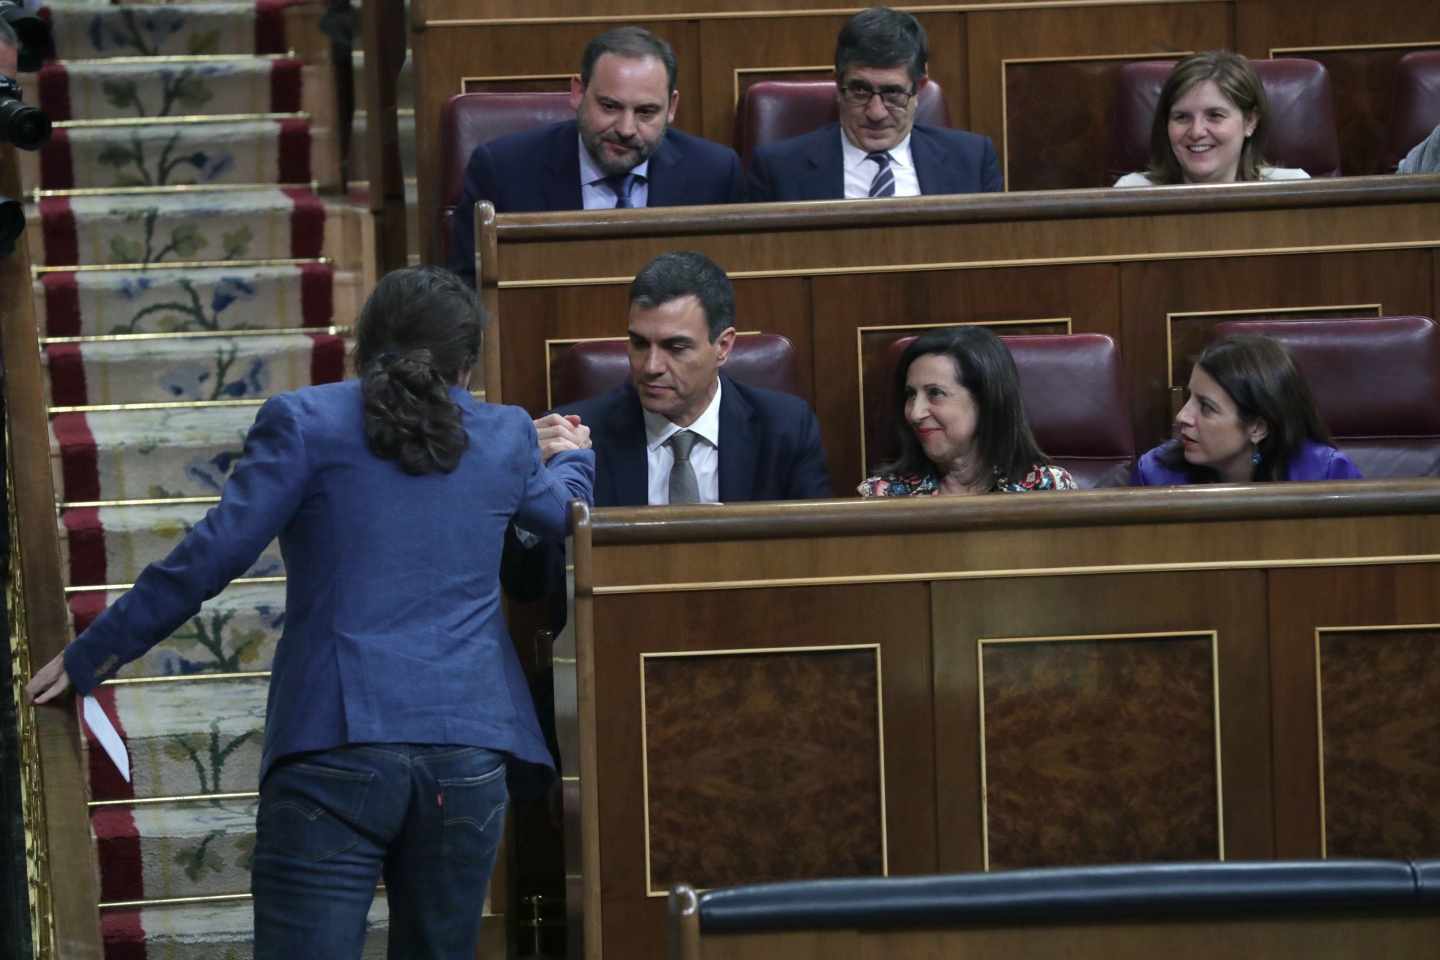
<point x="49" y="682"/>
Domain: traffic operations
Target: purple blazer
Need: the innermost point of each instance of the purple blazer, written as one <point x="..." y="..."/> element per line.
<point x="1314" y="461"/>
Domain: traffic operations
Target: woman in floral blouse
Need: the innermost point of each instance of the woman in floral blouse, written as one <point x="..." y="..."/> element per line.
<point x="961" y="423"/>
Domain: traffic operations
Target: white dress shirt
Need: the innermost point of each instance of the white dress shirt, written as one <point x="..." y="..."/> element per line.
<point x="859" y="170"/>
<point x="704" y="456"/>
<point x="596" y="194"/>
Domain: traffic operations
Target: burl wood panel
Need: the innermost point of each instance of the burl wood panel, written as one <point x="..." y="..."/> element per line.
<point x="789" y="740"/>
<point x="1302" y="601"/>
<point x="877" y="388"/>
<point x="1061" y="142"/>
<point x="1381" y="742"/>
<point x="1229" y="602"/>
<point x="1085" y="294"/>
<point x="1398" y="280"/>
<point x="894" y="615"/>
<point x="1100" y="751"/>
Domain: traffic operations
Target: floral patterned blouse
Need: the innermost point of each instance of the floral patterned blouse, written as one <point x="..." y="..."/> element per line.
<point x="1042" y="476"/>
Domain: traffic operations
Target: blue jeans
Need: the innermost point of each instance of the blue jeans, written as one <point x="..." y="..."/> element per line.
<point x="331" y="822"/>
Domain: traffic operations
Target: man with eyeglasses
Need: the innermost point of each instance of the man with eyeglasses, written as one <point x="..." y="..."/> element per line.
<point x="876" y="149"/>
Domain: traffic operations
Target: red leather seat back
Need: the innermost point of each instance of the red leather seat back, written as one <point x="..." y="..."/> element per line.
<point x="592" y="367"/>
<point x="1073" y="389"/>
<point x="1376" y="382"/>
<point x="470" y="119"/>
<point x="1302" y="115"/>
<point x="1415" y="109"/>
<point x="774" y="110"/>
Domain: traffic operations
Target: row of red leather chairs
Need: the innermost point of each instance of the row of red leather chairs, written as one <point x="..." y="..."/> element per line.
<point x="1302" y="133"/>
<point x="1375" y="379"/>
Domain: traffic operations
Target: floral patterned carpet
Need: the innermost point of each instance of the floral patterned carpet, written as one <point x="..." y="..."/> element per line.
<point x="184" y="273"/>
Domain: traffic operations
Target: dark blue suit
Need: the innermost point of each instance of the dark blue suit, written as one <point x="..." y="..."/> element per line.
<point x="811" y="166"/>
<point x="538" y="170"/>
<point x="394" y="631"/>
<point x="769" y="450"/>
<point x="769" y="446"/>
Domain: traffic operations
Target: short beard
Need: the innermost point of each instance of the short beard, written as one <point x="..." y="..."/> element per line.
<point x="594" y="144"/>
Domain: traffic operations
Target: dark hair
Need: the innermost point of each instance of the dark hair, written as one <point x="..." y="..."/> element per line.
<point x="418" y="331"/>
<point x="1262" y="380"/>
<point x="1236" y="79"/>
<point x="983" y="366"/>
<point x="634" y="43"/>
<point x="881" y="37"/>
<point x="685" y="273"/>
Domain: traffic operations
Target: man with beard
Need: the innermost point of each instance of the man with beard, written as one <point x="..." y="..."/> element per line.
<point x="619" y="151"/>
<point x="876" y="149"/>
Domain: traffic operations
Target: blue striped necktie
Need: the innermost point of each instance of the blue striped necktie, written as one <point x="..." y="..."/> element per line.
<point x="884" y="183"/>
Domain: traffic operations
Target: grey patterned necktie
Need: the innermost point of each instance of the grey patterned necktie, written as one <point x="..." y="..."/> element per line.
<point x="684" y="488"/>
<point x="884" y="183"/>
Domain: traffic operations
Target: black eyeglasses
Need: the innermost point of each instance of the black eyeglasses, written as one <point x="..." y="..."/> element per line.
<point x="858" y="93"/>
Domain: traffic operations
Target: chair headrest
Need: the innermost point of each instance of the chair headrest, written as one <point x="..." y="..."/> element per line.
<point x="1371" y="376"/>
<point x="772" y="110"/>
<point x="1415" y="106"/>
<point x="592" y="367"/>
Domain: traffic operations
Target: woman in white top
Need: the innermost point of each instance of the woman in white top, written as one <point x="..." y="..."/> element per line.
<point x="1209" y="126"/>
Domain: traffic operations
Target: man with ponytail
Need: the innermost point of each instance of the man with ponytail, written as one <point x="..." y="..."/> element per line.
<point x="396" y="698"/>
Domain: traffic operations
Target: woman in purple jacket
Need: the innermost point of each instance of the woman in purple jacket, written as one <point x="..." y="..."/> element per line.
<point x="1250" y="417"/>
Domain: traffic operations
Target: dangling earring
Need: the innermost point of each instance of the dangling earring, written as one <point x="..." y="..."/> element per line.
<point x="1255" y="457"/>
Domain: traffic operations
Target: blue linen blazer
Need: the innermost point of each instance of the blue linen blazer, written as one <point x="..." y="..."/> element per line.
<point x="538" y="170"/>
<point x="769" y="446"/>
<point x="811" y="166"/>
<point x="1313" y="461"/>
<point x="394" y="630"/>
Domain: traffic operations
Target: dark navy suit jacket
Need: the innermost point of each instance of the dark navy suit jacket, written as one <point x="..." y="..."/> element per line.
<point x="769" y="446"/>
<point x="769" y="450"/>
<point x="394" y="630"/>
<point x="539" y="170"/>
<point x="811" y="166"/>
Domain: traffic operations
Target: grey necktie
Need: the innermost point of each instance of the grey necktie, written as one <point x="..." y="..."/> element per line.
<point x="883" y="185"/>
<point x="684" y="488"/>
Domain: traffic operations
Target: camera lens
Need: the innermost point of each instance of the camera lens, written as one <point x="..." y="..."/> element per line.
<point x="24" y="126"/>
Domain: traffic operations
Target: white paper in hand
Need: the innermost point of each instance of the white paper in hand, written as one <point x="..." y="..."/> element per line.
<point x="108" y="736"/>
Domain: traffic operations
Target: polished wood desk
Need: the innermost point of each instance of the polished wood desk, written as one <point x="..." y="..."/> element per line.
<point x="846" y="688"/>
<point x="999" y="61"/>
<point x="1155" y="269"/>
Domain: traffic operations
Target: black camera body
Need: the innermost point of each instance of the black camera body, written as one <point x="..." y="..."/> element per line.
<point x="21" y="124"/>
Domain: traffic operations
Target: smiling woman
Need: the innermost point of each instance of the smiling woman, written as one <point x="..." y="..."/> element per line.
<point x="961" y="422"/>
<point x="1209" y="126"/>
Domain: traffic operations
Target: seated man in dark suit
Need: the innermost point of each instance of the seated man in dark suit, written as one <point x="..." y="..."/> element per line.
<point x="680" y="431"/>
<point x="876" y="150"/>
<point x="619" y="151"/>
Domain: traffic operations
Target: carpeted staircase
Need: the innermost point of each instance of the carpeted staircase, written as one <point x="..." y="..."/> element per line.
<point x="186" y="270"/>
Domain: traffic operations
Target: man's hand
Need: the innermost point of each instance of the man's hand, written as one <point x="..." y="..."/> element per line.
<point x="49" y="682"/>
<point x="559" y="433"/>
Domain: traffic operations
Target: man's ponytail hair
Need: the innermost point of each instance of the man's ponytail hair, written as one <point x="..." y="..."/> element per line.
<point x="419" y="331"/>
